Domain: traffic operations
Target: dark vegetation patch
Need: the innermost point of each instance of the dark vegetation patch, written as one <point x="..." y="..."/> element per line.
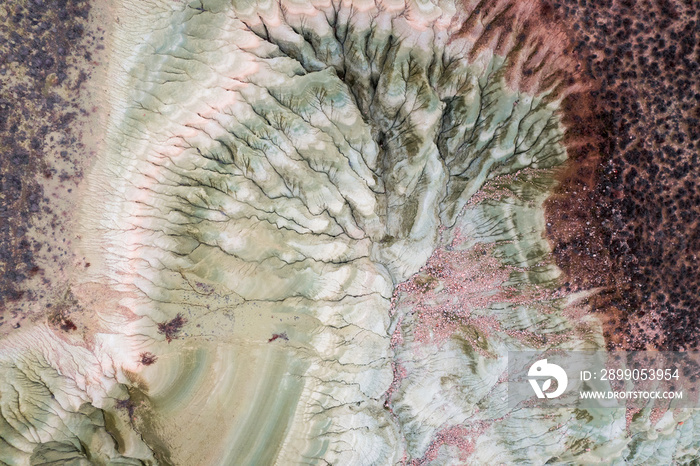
<point x="172" y="328"/>
<point x="60" y="311"/>
<point x="128" y="406"/>
<point x="147" y="358"/>
<point x="641" y="129"/>
<point x="43" y="43"/>
<point x="276" y="336"/>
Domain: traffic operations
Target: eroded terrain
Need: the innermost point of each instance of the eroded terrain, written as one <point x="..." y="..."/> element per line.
<point x="309" y="233"/>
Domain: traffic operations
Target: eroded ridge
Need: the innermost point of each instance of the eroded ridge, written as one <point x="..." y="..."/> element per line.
<point x="302" y="174"/>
